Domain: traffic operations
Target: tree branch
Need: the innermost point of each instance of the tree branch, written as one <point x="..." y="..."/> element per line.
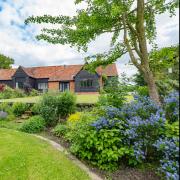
<point x="129" y="49"/>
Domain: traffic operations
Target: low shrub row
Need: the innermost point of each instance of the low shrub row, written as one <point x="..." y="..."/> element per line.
<point x="8" y="93"/>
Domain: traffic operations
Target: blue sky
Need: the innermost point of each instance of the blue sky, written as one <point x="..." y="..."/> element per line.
<point x="18" y="41"/>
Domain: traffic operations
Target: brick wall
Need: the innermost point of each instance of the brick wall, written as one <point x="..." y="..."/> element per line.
<point x="72" y="86"/>
<point x="53" y="85"/>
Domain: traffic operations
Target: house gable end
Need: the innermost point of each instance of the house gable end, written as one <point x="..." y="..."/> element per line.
<point x="87" y="72"/>
<point x="20" y="73"/>
<point x="84" y="76"/>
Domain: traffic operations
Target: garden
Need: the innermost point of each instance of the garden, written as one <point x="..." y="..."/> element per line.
<point x="114" y="135"/>
<point x="130" y="130"/>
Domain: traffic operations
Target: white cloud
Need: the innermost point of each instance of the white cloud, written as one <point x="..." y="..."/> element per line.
<point x="18" y="41"/>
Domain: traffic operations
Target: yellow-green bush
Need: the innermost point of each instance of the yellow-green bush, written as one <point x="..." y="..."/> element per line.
<point x="74" y="117"/>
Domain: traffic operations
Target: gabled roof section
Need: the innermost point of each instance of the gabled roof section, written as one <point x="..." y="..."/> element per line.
<point x="56" y="73"/>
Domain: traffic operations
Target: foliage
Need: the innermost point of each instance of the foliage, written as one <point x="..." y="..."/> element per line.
<point x="11" y="93"/>
<point x="19" y="108"/>
<point x="5" y="62"/>
<point x="139" y="79"/>
<point x="34" y="124"/>
<point x="2" y="87"/>
<point x="8" y="93"/>
<point x="48" y="109"/>
<point x="114" y="93"/>
<point x="73" y="118"/>
<point x="136" y="21"/>
<point x="171" y="106"/>
<point x="34" y="92"/>
<point x="161" y="60"/>
<point x="66" y="104"/>
<point x="129" y="135"/>
<point x="145" y="121"/>
<point x="74" y="128"/>
<point x="172" y="130"/>
<point x="169" y="150"/>
<point x="60" y="130"/>
<point x="6" y="107"/>
<point x="53" y="107"/>
<point x="142" y="91"/>
<point x="164" y="58"/>
<point x="35" y="109"/>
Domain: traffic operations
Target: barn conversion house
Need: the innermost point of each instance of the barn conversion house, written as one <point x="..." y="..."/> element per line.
<point x="61" y="78"/>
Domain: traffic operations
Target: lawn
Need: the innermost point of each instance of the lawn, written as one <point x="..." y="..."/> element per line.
<point x="23" y="156"/>
<point x="85" y="98"/>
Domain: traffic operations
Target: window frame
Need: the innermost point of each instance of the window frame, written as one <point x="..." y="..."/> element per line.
<point x="45" y="88"/>
<point x="86" y="83"/>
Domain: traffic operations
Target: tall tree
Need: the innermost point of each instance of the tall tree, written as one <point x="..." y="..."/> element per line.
<point x="5" y="62"/>
<point x="132" y="19"/>
<point x="164" y="63"/>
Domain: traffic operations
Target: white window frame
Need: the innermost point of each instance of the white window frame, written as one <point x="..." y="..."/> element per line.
<point x="43" y="86"/>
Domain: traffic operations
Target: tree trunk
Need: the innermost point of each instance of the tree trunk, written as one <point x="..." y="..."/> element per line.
<point x="144" y="66"/>
<point x="149" y="78"/>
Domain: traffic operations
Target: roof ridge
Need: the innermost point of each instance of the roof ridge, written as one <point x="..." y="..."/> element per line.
<point x="54" y="66"/>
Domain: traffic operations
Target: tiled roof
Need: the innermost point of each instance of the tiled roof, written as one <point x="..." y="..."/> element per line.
<point x="109" y="70"/>
<point x="6" y="74"/>
<point x="56" y="73"/>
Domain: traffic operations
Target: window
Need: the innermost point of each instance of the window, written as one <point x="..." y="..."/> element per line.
<point x="64" y="86"/>
<point x="87" y="83"/>
<point x="43" y="86"/>
<point x="19" y="85"/>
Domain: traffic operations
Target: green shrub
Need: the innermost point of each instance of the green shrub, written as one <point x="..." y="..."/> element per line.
<point x="114" y="93"/>
<point x="60" y="130"/>
<point x="34" y="124"/>
<point x="53" y="107"/>
<point x="18" y="93"/>
<point x="11" y="93"/>
<point x="35" y="109"/>
<point x="34" y="92"/>
<point x="6" y="107"/>
<point x="19" y="108"/>
<point x="142" y="91"/>
<point x="66" y="103"/>
<point x="49" y="110"/>
<point x="102" y="148"/>
<point x="172" y="130"/>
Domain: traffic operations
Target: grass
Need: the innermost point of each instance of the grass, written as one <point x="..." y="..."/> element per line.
<point x="10" y="124"/>
<point x="84" y="98"/>
<point x="81" y="99"/>
<point x="23" y="156"/>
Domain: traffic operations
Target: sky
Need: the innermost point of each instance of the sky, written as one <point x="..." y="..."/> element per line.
<point x="18" y="40"/>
